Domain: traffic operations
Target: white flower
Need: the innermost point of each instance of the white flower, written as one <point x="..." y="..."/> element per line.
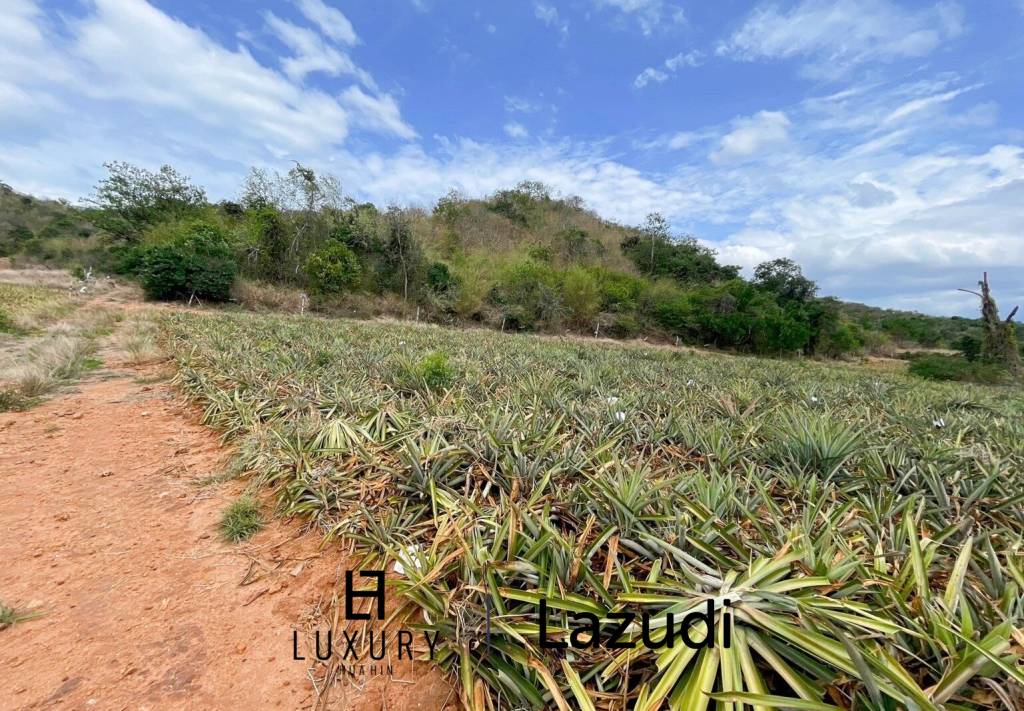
<point x="401" y="343"/>
<point x="611" y="399"/>
<point x="407" y="557"/>
<point x="620" y="416"/>
<point x="939" y="423"/>
<point x="814" y="398"/>
<point x="690" y="383"/>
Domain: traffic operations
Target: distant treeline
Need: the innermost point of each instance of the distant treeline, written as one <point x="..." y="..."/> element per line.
<point x="521" y="259"/>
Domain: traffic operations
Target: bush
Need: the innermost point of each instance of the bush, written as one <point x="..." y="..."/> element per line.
<point x="581" y="296"/>
<point x="530" y="295"/>
<point x="332" y="269"/>
<point x="956" y="368"/>
<point x="619" y="291"/>
<point x="7" y="324"/>
<point x="969" y="346"/>
<point x="196" y="263"/>
<point x="440" y="280"/>
<point x="433" y="372"/>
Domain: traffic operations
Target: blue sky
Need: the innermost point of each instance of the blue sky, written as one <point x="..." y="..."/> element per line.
<point x="879" y="143"/>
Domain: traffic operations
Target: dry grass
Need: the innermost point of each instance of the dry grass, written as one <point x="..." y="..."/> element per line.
<point x="136" y="342"/>
<point x="38" y="365"/>
<point x="256" y="296"/>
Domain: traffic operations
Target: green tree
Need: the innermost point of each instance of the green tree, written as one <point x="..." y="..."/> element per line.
<point x="402" y="253"/>
<point x="784" y="278"/>
<point x="131" y="198"/>
<point x="332" y="269"/>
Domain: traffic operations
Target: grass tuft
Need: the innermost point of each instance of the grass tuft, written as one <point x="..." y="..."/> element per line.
<point x="10" y="616"/>
<point x="241" y="519"/>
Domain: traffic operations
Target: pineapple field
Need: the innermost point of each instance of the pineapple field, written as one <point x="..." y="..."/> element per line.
<point x="856" y="533"/>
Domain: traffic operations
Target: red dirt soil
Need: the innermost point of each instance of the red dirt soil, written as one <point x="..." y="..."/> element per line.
<point x="105" y="529"/>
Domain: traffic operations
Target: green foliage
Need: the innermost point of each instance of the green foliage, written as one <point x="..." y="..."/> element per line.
<point x="969" y="346"/>
<point x="529" y="294"/>
<point x="198" y="262"/>
<point x="332" y="270"/>
<point x="241" y="519"/>
<point x="784" y="278"/>
<point x="404" y="263"/>
<point x="131" y="199"/>
<point x="841" y="337"/>
<point x="957" y="368"/>
<point x="11" y="400"/>
<point x="686" y="261"/>
<point x="581" y="295"/>
<point x="619" y="291"/>
<point x="523" y="204"/>
<point x="430" y="373"/>
<point x="270" y="242"/>
<point x="440" y="279"/>
<point x="7" y="323"/>
<point x="10" y="616"/>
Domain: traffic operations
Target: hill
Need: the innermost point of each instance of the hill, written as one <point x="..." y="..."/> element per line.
<point x="520" y="259"/>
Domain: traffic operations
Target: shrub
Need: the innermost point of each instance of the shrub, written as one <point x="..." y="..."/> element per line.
<point x="619" y="291"/>
<point x="440" y="280"/>
<point x="580" y="295"/>
<point x="668" y="306"/>
<point x="196" y="263"/>
<point x="241" y="519"/>
<point x="432" y="372"/>
<point x="623" y="326"/>
<point x="529" y="293"/>
<point x="7" y="324"/>
<point x="956" y="368"/>
<point x="969" y="346"/>
<point x="332" y="269"/>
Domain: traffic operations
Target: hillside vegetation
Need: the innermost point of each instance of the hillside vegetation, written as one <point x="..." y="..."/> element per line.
<point x="521" y="259"/>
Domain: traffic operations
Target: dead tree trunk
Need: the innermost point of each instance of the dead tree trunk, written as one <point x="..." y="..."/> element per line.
<point x="999" y="343"/>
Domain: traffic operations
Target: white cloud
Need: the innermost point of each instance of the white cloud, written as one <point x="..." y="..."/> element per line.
<point x="921" y="104"/>
<point x="548" y="14"/>
<point x="897" y="213"/>
<point x="313" y="54"/>
<point x="766" y="130"/>
<point x="377" y="113"/>
<point x="835" y="36"/>
<point x="521" y="104"/>
<point x="693" y="58"/>
<point x="331" y="21"/>
<point x="647" y="76"/>
<point x="516" y="130"/>
<point x="649" y="14"/>
<point x="113" y="92"/>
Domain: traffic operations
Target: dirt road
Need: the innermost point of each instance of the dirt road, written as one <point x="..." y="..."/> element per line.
<point x="107" y="529"/>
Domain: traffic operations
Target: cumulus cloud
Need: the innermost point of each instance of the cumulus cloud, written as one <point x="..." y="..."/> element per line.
<point x="183" y="99"/>
<point x="516" y="130"/>
<point x="833" y="37"/>
<point x="766" y="130"/>
<point x="874" y="188"/>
